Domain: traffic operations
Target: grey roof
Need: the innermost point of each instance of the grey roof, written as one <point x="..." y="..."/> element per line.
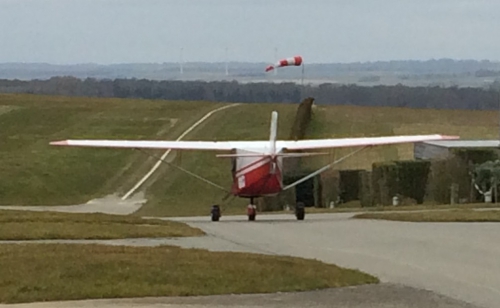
<point x="465" y="143"/>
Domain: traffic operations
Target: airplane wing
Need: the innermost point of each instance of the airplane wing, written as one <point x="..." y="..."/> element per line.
<point x="354" y="142"/>
<point x="152" y="144"/>
<point x="258" y="145"/>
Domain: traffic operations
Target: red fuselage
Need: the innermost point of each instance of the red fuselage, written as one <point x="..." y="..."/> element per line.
<point x="257" y="176"/>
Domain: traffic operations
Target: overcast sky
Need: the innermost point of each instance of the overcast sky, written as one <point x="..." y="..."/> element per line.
<point x="121" y="31"/>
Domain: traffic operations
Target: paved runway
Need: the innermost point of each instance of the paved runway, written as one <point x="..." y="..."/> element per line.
<point x="457" y="263"/>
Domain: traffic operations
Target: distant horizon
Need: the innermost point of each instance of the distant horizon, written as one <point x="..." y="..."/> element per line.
<point x="252" y="62"/>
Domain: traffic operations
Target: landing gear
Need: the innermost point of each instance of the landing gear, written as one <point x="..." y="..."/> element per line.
<point x="251" y="210"/>
<point x="215" y="213"/>
<point x="300" y="211"/>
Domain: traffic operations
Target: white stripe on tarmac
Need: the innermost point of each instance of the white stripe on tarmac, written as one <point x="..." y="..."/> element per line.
<point x="158" y="163"/>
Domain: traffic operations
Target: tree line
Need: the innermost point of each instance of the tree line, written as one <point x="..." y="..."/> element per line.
<point x="225" y="91"/>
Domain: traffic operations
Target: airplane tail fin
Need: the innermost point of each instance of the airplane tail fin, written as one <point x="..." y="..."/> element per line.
<point x="273" y="133"/>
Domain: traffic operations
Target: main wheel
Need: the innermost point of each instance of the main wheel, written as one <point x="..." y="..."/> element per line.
<point x="215" y="212"/>
<point x="300" y="215"/>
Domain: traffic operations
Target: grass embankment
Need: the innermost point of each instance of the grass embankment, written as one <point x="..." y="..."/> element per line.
<point x="25" y="225"/>
<point x="69" y="272"/>
<point x="35" y="173"/>
<point x="355" y="121"/>
<point x="437" y="216"/>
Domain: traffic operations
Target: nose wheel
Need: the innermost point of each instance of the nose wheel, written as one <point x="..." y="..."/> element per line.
<point x="251" y="210"/>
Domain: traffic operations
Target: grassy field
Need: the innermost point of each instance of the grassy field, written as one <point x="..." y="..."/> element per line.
<point x="25" y="225"/>
<point x="34" y="173"/>
<point x="353" y="121"/>
<point x="437" y="216"/>
<point x="69" y="272"/>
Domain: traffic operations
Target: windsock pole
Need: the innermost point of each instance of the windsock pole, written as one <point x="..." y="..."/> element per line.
<point x="302" y="79"/>
<point x="302" y="88"/>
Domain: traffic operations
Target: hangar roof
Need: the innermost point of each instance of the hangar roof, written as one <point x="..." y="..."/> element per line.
<point x="465" y="143"/>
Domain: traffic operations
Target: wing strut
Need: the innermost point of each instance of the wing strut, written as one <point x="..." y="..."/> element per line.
<point x="185" y="171"/>
<point x="315" y="173"/>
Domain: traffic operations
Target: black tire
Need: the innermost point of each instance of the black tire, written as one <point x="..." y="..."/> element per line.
<point x="215" y="212"/>
<point x="300" y="211"/>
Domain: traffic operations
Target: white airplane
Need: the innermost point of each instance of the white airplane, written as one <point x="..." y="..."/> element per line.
<point x="258" y="165"/>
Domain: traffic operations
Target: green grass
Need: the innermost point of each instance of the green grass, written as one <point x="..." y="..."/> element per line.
<point x="437" y="216"/>
<point x="69" y="272"/>
<point x="356" y="121"/>
<point x="25" y="225"/>
<point x="33" y="173"/>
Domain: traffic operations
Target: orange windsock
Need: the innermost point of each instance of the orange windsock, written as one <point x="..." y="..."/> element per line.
<point x="292" y="61"/>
